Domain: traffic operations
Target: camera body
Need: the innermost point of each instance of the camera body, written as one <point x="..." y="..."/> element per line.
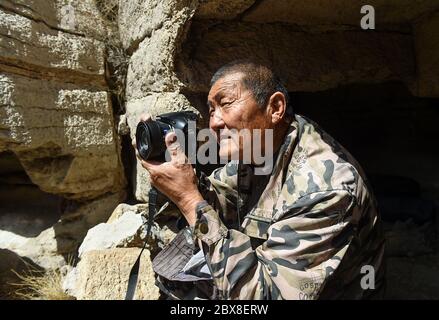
<point x="150" y="135"/>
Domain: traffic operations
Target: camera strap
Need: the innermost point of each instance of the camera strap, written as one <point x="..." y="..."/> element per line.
<point x="134" y="273"/>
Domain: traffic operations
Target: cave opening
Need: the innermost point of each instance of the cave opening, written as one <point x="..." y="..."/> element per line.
<point x="389" y="131"/>
<point x="25" y="210"/>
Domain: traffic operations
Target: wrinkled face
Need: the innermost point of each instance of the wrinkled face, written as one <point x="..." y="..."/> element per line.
<point x="232" y="108"/>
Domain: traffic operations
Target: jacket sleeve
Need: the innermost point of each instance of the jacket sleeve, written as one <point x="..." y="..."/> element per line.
<point x="304" y="247"/>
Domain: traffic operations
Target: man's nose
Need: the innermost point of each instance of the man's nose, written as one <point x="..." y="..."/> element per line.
<point x="216" y="121"/>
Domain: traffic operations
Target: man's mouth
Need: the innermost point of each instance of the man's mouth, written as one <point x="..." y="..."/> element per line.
<point x="223" y="137"/>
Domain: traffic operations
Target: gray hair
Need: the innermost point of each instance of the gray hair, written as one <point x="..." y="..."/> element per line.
<point x="257" y="78"/>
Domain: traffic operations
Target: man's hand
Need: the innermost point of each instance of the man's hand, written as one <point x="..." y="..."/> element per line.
<point x="176" y="179"/>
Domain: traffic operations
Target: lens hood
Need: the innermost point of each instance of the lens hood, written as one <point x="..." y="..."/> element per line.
<point x="149" y="139"/>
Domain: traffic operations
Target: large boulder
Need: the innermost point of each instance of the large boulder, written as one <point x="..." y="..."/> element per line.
<point x="103" y="275"/>
<point x="56" y="114"/>
<point x="127" y="231"/>
<point x="127" y="227"/>
<point x="57" y="243"/>
<point x="79" y="217"/>
<point x="110" y="249"/>
<point x="63" y="134"/>
<point x="41" y="250"/>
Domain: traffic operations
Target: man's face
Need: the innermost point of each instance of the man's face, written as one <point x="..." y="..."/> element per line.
<point x="233" y="107"/>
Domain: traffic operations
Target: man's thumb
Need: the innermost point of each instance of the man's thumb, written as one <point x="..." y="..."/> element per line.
<point x="174" y="148"/>
<point x="171" y="140"/>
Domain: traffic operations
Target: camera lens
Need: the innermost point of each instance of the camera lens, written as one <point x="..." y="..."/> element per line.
<point x="150" y="135"/>
<point x="143" y="140"/>
<point x="150" y="140"/>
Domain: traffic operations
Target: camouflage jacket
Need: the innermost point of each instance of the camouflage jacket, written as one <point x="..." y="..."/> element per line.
<point x="310" y="233"/>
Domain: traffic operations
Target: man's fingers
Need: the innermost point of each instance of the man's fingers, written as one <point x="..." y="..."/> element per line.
<point x="171" y="140"/>
<point x="154" y="168"/>
<point x="174" y="148"/>
<point x="150" y="164"/>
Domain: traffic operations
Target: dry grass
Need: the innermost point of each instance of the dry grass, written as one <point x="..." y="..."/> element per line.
<point x="36" y="284"/>
<point x="44" y="286"/>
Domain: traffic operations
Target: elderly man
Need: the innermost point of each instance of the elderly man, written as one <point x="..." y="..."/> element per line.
<point x="308" y="229"/>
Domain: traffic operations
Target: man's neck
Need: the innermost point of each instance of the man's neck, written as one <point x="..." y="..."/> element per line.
<point x="279" y="133"/>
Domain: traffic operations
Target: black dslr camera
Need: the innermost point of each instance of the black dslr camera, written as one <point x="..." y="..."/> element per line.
<point x="150" y="135"/>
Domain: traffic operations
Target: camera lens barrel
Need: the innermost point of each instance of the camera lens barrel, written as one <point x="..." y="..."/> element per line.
<point x="150" y="135"/>
<point x="150" y="140"/>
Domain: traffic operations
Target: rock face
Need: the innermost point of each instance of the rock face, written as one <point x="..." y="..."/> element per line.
<point x="222" y="9"/>
<point x="34" y="45"/>
<point x="57" y="121"/>
<point x="56" y="115"/>
<point x="63" y="135"/>
<point x="67" y="16"/>
<point x="78" y="218"/>
<point x="305" y="61"/>
<point x="103" y="275"/>
<point x="139" y="20"/>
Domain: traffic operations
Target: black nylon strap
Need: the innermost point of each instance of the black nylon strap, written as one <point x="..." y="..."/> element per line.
<point x="134" y="273"/>
<point x="152" y="209"/>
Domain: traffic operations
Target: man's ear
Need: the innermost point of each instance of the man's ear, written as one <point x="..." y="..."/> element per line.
<point x="277" y="105"/>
